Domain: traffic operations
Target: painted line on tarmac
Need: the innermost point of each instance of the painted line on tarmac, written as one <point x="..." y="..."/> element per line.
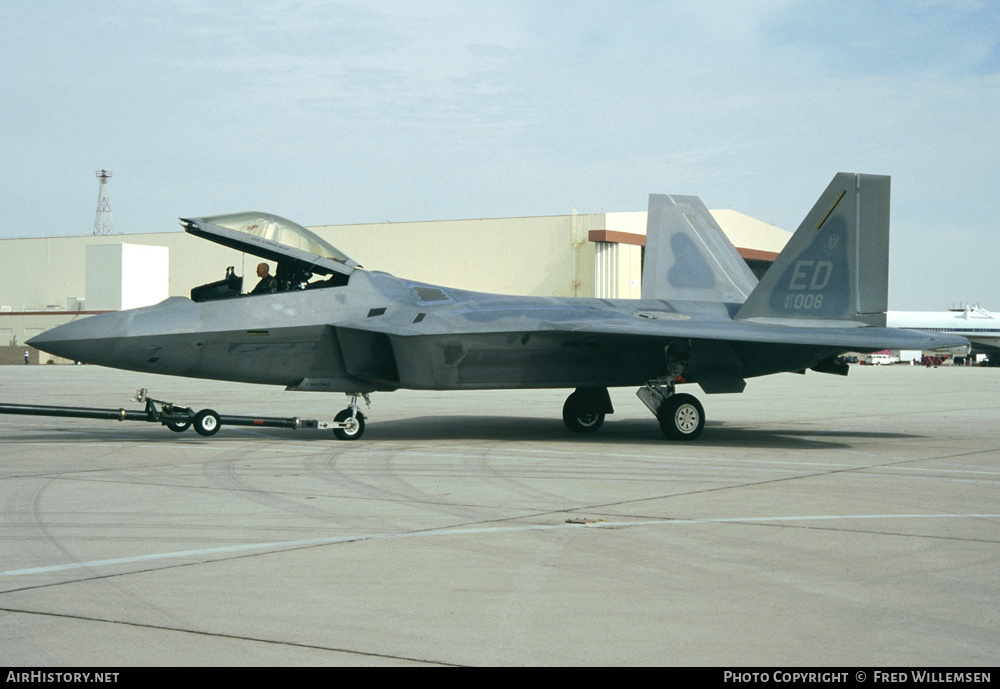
<point x="290" y="545"/>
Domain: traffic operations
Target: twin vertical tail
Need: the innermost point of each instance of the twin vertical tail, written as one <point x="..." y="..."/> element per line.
<point x="836" y="265"/>
<point x="689" y="257"/>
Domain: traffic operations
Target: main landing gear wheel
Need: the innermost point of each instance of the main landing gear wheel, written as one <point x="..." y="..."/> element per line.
<point x="206" y="422"/>
<point x="580" y="416"/>
<point x="353" y="429"/>
<point x="681" y="417"/>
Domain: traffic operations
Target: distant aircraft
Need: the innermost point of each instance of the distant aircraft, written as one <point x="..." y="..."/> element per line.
<point x="977" y="325"/>
<point x="702" y="318"/>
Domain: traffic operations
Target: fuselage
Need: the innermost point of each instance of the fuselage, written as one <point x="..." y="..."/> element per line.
<point x="379" y="332"/>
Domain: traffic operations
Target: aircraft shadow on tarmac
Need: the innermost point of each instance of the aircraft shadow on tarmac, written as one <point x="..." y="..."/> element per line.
<point x="512" y="429"/>
<point x="622" y="432"/>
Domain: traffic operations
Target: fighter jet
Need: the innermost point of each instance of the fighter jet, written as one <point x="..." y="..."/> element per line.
<point x="703" y="318"/>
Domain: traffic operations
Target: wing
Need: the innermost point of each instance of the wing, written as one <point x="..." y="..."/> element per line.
<point x="551" y="343"/>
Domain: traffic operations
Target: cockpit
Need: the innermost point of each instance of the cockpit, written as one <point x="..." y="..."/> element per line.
<point x="300" y="254"/>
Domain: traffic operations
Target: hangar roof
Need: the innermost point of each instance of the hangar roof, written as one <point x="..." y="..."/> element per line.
<point x="744" y="231"/>
<point x="753" y="238"/>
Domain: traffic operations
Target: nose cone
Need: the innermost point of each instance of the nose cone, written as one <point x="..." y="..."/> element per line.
<point x="90" y="340"/>
<point x="162" y="338"/>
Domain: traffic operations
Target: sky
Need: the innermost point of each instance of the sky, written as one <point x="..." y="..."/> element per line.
<point x="352" y="112"/>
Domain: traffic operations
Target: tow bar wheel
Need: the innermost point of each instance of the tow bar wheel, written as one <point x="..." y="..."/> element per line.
<point x="177" y="426"/>
<point x="206" y="422"/>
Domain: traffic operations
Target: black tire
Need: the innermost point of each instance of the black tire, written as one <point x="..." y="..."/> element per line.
<point x="580" y="417"/>
<point x="352" y="432"/>
<point x="681" y="417"/>
<point x="206" y="423"/>
<point x="177" y="426"/>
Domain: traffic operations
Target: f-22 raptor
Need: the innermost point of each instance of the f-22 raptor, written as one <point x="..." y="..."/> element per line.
<point x="703" y="318"/>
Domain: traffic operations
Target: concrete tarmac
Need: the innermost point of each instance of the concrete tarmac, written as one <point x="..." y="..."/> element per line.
<point x="819" y="520"/>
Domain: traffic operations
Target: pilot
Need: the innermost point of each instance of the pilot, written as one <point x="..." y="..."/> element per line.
<point x="267" y="283"/>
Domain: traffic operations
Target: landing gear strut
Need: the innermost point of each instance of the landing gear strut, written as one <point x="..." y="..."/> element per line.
<point x="681" y="416"/>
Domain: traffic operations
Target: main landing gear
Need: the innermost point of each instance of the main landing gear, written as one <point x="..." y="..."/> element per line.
<point x="681" y="416"/>
<point x="585" y="409"/>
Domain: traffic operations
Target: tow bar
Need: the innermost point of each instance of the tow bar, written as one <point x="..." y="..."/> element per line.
<point x="206" y="422"/>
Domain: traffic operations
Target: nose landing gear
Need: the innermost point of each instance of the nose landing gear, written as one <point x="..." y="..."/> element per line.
<point x="350" y="423"/>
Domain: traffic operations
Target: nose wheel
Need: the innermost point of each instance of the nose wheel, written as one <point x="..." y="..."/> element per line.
<point x="352" y="424"/>
<point x="349" y="424"/>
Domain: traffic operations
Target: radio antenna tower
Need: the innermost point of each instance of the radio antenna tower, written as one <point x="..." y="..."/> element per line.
<point x="103" y="224"/>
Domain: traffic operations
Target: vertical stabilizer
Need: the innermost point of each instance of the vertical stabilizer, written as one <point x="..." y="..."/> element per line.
<point x="688" y="257"/>
<point x="836" y="265"/>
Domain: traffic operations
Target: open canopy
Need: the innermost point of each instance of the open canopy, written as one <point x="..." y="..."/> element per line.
<point x="273" y="238"/>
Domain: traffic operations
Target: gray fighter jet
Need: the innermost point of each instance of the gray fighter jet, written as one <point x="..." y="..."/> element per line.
<point x="702" y="318"/>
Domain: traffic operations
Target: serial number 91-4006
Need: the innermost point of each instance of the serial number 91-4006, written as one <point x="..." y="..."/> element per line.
<point x="804" y="301"/>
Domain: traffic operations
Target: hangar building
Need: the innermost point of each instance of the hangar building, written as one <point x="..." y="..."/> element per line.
<point x="49" y="281"/>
